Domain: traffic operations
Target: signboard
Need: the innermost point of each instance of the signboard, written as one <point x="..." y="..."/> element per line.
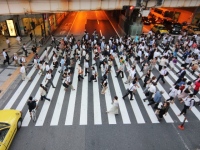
<point x="11" y="27"/>
<point x="145" y="13"/>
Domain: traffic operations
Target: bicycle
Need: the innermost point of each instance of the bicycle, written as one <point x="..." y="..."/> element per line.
<point x="33" y="116"/>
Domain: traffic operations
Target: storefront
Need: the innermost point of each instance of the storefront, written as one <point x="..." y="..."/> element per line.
<point x="8" y="28"/>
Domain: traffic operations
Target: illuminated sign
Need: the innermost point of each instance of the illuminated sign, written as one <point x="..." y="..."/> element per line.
<point x="11" y="27"/>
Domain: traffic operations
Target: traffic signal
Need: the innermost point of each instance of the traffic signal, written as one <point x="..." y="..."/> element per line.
<point x="33" y="25"/>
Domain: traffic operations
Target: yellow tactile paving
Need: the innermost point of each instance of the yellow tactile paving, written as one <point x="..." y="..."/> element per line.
<point x="4" y="87"/>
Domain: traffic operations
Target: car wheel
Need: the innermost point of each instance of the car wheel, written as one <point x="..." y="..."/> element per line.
<point x="19" y="123"/>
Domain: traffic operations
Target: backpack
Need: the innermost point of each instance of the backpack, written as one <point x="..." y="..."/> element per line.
<point x="193" y="103"/>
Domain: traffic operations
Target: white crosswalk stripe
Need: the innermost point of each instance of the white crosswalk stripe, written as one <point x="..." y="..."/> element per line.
<point x="137" y="107"/>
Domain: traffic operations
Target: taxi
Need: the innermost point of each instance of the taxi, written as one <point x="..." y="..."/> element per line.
<point x="160" y="29"/>
<point x="10" y="122"/>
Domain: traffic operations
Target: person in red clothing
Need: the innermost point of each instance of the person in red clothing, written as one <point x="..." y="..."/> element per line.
<point x="196" y="88"/>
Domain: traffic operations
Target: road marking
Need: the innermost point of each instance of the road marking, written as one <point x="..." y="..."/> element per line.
<point x="108" y="100"/>
<point x="72" y="99"/>
<point x="122" y="106"/>
<point x="84" y="102"/>
<point x="96" y="100"/>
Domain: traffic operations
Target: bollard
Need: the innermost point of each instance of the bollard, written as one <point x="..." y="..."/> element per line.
<point x="181" y="127"/>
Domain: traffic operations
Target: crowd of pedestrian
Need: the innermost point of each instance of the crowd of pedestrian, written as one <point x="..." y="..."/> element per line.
<point x="96" y="57"/>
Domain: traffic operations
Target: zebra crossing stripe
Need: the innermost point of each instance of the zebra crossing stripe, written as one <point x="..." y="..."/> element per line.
<point x="134" y="104"/>
<point x="58" y="107"/>
<point x="26" y="119"/>
<point x="84" y="101"/>
<point x="72" y="99"/>
<point x="19" y="90"/>
<point x="108" y="100"/>
<point x="122" y="106"/>
<point x="46" y="105"/>
<point x="96" y="100"/>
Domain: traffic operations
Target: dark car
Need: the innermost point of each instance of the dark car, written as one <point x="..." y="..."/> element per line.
<point x="172" y="27"/>
<point x="146" y="21"/>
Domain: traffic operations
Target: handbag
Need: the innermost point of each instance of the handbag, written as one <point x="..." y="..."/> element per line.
<point x="157" y="111"/>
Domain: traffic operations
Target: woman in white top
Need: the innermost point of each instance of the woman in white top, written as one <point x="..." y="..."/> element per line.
<point x="162" y="63"/>
<point x="174" y="91"/>
<point x="15" y="58"/>
<point x="115" y="106"/>
<point x="55" y="60"/>
<point x="43" y="93"/>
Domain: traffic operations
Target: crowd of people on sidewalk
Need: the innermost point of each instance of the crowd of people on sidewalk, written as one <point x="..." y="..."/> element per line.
<point x="97" y="57"/>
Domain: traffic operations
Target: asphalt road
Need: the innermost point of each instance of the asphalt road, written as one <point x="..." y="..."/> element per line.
<point x="150" y="135"/>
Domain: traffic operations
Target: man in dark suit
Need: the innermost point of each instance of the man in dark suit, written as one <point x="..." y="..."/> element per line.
<point x="181" y="75"/>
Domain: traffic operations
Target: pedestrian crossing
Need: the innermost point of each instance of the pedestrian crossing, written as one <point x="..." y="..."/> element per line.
<point x="75" y="107"/>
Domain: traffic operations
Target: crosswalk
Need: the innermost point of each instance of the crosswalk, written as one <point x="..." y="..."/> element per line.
<point x="86" y="105"/>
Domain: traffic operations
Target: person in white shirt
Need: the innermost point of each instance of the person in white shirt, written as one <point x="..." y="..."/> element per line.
<point x="55" y="61"/>
<point x="163" y="73"/>
<point x="47" y="68"/>
<point x="18" y="38"/>
<point x="188" y="104"/>
<point x="121" y="68"/>
<point x="115" y="106"/>
<point x="131" y="76"/>
<point x="15" y="58"/>
<point x="162" y="63"/>
<point x="43" y="93"/>
<point x="46" y="55"/>
<point x="80" y="72"/>
<point x="41" y="70"/>
<point x="174" y="91"/>
<point x="23" y="72"/>
<point x="8" y="42"/>
<point x="151" y="91"/>
<point x="49" y="79"/>
<point x="25" y="49"/>
<point x="68" y="82"/>
<point x="131" y="90"/>
<point x="6" y="57"/>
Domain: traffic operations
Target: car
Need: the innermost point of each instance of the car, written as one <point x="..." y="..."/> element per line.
<point x="192" y="29"/>
<point x="10" y="122"/>
<point x="172" y="27"/>
<point x="159" y="28"/>
<point x="146" y="21"/>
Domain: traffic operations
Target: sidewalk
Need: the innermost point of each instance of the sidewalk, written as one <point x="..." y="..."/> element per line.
<point x="9" y="73"/>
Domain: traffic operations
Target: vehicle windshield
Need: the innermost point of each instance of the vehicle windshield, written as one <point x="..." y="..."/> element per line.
<point x="3" y="125"/>
<point x="196" y="29"/>
<point x="162" y="28"/>
<point x="3" y="133"/>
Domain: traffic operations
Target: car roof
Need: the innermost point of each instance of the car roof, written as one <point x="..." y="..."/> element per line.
<point x="160" y="25"/>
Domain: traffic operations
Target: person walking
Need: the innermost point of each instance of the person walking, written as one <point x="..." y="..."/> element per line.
<point x="43" y="92"/>
<point x="121" y="68"/>
<point x="6" y="57"/>
<point x="115" y="106"/>
<point x="31" y="36"/>
<point x="163" y="110"/>
<point x="94" y="75"/>
<point x="18" y="38"/>
<point x="105" y="86"/>
<point x="25" y="50"/>
<point x="131" y="76"/>
<point x="8" y="42"/>
<point x="131" y="90"/>
<point x="86" y="66"/>
<point x="49" y="79"/>
<point x="23" y="72"/>
<point x="188" y="104"/>
<point x="163" y="73"/>
<point x="181" y="75"/>
<point x="151" y="91"/>
<point x="40" y="67"/>
<point x="62" y="65"/>
<point x="157" y="99"/>
<point x="15" y="58"/>
<point x="68" y="82"/>
<point x="80" y="72"/>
